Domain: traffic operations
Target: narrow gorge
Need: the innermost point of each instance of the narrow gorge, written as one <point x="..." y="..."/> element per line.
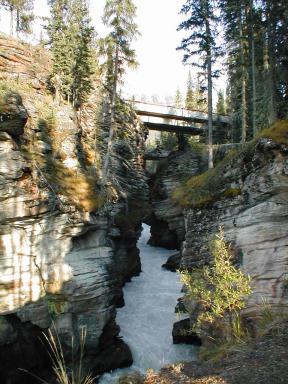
<point x="69" y="243"/>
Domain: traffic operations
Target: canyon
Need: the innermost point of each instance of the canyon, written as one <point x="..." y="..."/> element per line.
<point x="68" y="244"/>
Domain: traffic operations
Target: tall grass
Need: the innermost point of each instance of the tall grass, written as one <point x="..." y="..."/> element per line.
<point x="76" y="374"/>
<point x="65" y="375"/>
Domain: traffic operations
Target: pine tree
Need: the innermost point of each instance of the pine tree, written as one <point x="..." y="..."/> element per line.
<point x="84" y="55"/>
<point x="201" y="26"/>
<point x="233" y="14"/>
<point x="178" y="101"/>
<point x="276" y="57"/>
<point x="71" y="40"/>
<point x="21" y="12"/>
<point x="189" y="100"/>
<point x="61" y="47"/>
<point x="119" y="17"/>
<point x="221" y="104"/>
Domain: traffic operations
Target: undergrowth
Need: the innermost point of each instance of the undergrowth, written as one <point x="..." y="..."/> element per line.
<point x="210" y="186"/>
<point x="278" y="132"/>
<point x="207" y="187"/>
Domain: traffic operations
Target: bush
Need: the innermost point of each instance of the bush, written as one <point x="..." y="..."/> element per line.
<point x="219" y="289"/>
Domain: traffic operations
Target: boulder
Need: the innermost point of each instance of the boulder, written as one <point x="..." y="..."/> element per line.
<point x="182" y="333"/>
<point x="173" y="262"/>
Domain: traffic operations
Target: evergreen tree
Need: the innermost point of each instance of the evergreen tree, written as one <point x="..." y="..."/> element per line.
<point x="61" y="47"/>
<point x="256" y="37"/>
<point x="233" y="13"/>
<point x="201" y="26"/>
<point x="119" y="16"/>
<point x="221" y="104"/>
<point x="21" y="12"/>
<point x="178" y="102"/>
<point x="71" y="39"/>
<point x="83" y="54"/>
<point x="276" y="57"/>
<point x="190" y="101"/>
<point x="200" y="95"/>
<point x="253" y="69"/>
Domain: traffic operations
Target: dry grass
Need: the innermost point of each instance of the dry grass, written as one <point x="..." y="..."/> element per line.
<point x="205" y="188"/>
<point x="210" y="186"/>
<point x="278" y="132"/>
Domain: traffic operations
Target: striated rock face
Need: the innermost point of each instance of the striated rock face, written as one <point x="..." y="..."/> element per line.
<point x="64" y="256"/>
<point x="255" y="221"/>
<point x="167" y="221"/>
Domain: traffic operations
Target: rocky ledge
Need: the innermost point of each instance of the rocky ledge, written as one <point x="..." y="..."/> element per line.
<point x="167" y="221"/>
<point x="65" y="248"/>
<point x="247" y="195"/>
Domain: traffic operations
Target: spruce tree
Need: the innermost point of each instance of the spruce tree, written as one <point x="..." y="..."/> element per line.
<point x="178" y="101"/>
<point x="221" y="104"/>
<point x="119" y="16"/>
<point x="233" y="17"/>
<point x="189" y="100"/>
<point x="71" y="40"/>
<point x="200" y="25"/>
<point x="83" y="54"/>
<point x="61" y="47"/>
<point x="21" y="12"/>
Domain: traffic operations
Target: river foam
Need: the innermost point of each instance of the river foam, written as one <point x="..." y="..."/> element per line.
<point x="147" y="319"/>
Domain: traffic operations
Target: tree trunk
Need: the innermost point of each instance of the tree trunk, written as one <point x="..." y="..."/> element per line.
<point x="210" y="114"/>
<point x="253" y="78"/>
<point x="243" y="79"/>
<point x="112" y="118"/>
<point x="11" y="20"/>
<point x="269" y="64"/>
<point x="210" y="101"/>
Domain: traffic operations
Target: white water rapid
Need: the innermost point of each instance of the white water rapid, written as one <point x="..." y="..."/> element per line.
<point x="147" y="319"/>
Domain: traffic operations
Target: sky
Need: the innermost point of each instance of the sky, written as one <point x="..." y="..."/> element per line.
<point x="160" y="71"/>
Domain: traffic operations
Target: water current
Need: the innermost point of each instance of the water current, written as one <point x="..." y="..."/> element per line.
<point x="147" y="319"/>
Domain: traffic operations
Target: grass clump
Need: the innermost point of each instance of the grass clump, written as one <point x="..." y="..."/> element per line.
<point x="74" y="373"/>
<point x="65" y="375"/>
<point x="278" y="132"/>
<point x="214" y="184"/>
<point x="207" y="187"/>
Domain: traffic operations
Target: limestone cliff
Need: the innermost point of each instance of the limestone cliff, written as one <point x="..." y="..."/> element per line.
<point x="246" y="194"/>
<point x="65" y="249"/>
<point x="248" y="197"/>
<point x="167" y="220"/>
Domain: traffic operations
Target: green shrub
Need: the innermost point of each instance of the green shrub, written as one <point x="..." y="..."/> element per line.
<point x="219" y="289"/>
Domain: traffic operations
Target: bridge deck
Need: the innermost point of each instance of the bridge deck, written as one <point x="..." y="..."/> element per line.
<point x="168" y="113"/>
<point x="167" y="127"/>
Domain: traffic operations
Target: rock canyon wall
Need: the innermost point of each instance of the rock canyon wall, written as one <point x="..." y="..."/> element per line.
<point x="67" y="247"/>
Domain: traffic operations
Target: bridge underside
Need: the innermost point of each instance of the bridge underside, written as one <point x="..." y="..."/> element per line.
<point x="184" y="129"/>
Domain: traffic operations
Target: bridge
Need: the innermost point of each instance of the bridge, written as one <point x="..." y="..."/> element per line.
<point x="159" y="117"/>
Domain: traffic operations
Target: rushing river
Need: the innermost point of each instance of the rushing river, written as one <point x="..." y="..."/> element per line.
<point x="147" y="319"/>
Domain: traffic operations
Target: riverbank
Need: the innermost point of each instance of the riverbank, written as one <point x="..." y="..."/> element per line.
<point x="262" y="360"/>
